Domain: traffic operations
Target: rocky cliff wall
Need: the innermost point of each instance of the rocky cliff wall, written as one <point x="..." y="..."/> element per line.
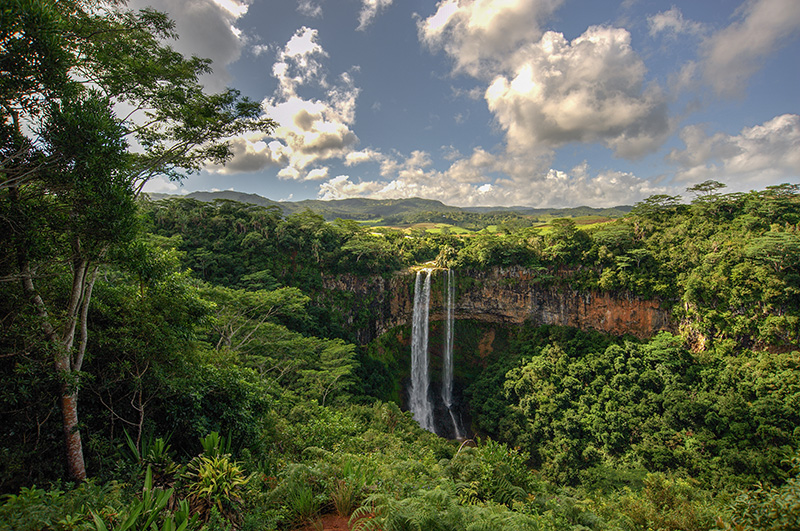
<point x="508" y="295"/>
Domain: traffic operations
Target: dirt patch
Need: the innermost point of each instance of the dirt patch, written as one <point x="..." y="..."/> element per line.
<point x="485" y="344"/>
<point x="329" y="522"/>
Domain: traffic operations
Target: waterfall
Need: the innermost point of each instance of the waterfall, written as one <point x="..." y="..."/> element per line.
<point x="419" y="404"/>
<point x="447" y="370"/>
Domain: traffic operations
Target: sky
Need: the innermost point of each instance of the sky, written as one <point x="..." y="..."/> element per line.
<point x="542" y="103"/>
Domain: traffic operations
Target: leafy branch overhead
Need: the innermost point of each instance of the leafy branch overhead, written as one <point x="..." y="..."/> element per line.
<point x="57" y="51"/>
<point x="94" y="104"/>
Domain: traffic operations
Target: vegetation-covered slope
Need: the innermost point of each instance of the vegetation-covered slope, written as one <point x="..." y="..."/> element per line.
<point x="408" y="211"/>
<point x="727" y="264"/>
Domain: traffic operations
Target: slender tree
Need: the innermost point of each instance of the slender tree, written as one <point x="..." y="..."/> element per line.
<point x="67" y="177"/>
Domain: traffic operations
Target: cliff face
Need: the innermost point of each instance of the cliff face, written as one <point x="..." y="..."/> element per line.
<point x="508" y="295"/>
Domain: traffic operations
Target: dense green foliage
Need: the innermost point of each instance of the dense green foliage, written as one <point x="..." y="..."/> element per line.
<point x="583" y="406"/>
<point x="68" y="179"/>
<point x="726" y="263"/>
<point x="610" y="433"/>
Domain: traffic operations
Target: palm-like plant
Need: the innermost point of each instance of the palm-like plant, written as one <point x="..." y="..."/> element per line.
<point x="150" y="512"/>
<point x="216" y="482"/>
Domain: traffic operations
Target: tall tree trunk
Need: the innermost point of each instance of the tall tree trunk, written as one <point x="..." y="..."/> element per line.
<point x="72" y="436"/>
<point x="64" y="364"/>
<point x="69" y="391"/>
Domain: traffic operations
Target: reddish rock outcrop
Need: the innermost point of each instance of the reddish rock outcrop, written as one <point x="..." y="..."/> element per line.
<point x="510" y="295"/>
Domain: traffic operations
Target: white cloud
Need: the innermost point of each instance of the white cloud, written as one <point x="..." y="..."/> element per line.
<point x="234" y="8"/>
<point x="590" y="89"/>
<point x="481" y="36"/>
<point x="369" y="10"/>
<point x="252" y="153"/>
<point x="544" y="90"/>
<point x="207" y="28"/>
<point x="553" y="189"/>
<point x="473" y="169"/>
<point x="606" y="189"/>
<point x="734" y="53"/>
<point x="162" y="185"/>
<point x="317" y="174"/>
<point x="260" y="49"/>
<point x="299" y="62"/>
<point x="341" y="187"/>
<point x="309" y="8"/>
<point x="417" y="160"/>
<point x="310" y="130"/>
<point x="504" y="179"/>
<point x="672" y="23"/>
<point x="360" y="157"/>
<point x="413" y="177"/>
<point x="758" y="156"/>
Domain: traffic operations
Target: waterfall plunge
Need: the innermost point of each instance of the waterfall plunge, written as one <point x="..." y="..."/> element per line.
<point x="419" y="403"/>
<point x="419" y="400"/>
<point x="447" y="370"/>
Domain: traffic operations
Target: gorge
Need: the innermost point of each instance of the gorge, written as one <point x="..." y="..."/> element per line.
<point x="499" y="295"/>
<point x="430" y="373"/>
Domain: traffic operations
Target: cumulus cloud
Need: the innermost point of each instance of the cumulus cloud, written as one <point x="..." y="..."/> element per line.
<point x="589" y="89"/>
<point x="408" y="186"/>
<point x="317" y="174"/>
<point x="413" y="176"/>
<point x="481" y="36"/>
<point x="363" y="156"/>
<point x="610" y="188"/>
<point x="555" y="188"/>
<point x="341" y="187"/>
<point x="503" y="179"/>
<point x="310" y="130"/>
<point x="672" y="24"/>
<point x="299" y="62"/>
<point x="252" y="153"/>
<point x="369" y="10"/>
<point x="309" y="8"/>
<point x="544" y="90"/>
<point x="162" y="185"/>
<point x="734" y="53"/>
<point x="758" y="156"/>
<point x="207" y="28"/>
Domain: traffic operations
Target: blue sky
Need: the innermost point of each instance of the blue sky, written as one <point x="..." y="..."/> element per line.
<point x="546" y="103"/>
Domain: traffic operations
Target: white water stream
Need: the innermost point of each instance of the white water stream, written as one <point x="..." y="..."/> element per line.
<point x="419" y="400"/>
<point x="419" y="403"/>
<point x="447" y="370"/>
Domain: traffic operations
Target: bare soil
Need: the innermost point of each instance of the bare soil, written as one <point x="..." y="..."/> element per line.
<point x="330" y="522"/>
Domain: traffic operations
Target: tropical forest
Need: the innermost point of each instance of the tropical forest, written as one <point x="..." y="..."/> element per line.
<point x="226" y="362"/>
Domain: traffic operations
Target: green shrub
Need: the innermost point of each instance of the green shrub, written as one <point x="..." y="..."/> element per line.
<point x="300" y="492"/>
<point x="766" y="508"/>
<point x="148" y="513"/>
<point x="36" y="509"/>
<point x="666" y="503"/>
<point x="216" y="482"/>
<point x="490" y="472"/>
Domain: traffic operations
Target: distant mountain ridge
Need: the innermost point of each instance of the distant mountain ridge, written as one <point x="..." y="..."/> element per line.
<point x="368" y="209"/>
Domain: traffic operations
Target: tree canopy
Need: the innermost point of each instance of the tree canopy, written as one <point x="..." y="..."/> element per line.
<point x="82" y="81"/>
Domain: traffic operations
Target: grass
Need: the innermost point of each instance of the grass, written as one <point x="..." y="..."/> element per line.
<point x="583" y="222"/>
<point x="438" y="228"/>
